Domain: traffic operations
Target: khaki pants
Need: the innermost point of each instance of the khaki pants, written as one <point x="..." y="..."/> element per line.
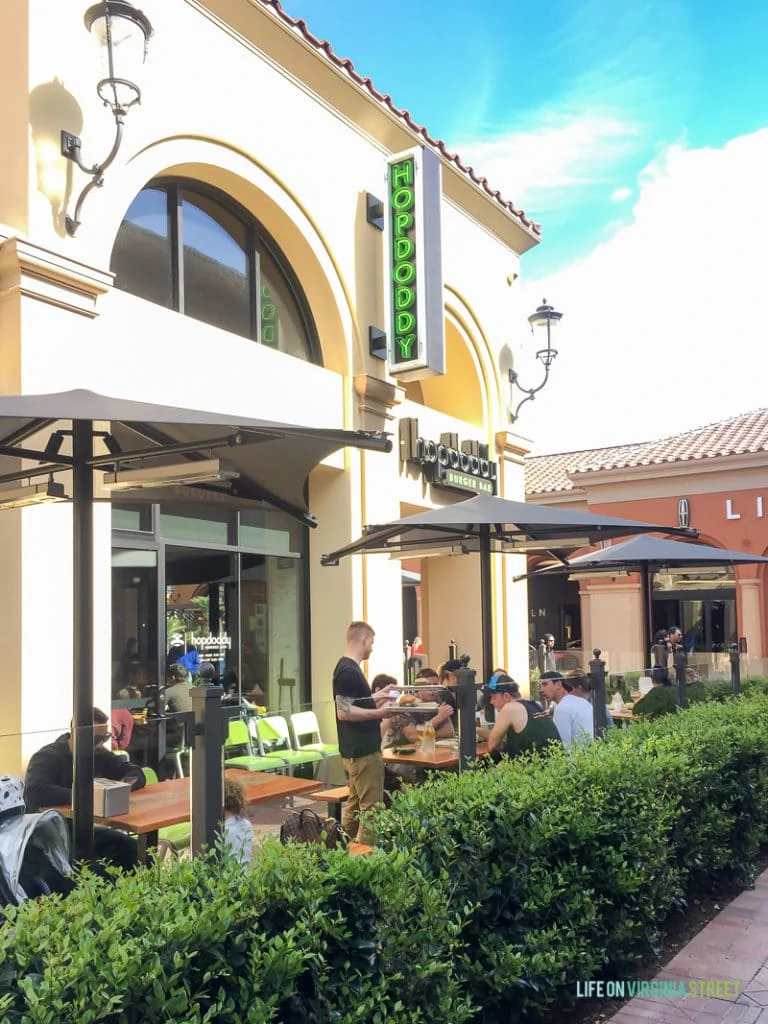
<point x="366" y="789"/>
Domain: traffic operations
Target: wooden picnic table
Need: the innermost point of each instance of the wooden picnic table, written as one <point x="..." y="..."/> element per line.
<point x="444" y="756"/>
<point x="169" y="803"/>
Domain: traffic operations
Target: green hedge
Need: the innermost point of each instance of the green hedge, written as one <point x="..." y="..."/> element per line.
<point x="493" y="893"/>
<point x="307" y="935"/>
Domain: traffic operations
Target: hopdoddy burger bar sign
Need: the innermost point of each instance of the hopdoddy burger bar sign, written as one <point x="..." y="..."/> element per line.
<point x="415" y="332"/>
<point x="457" y="465"/>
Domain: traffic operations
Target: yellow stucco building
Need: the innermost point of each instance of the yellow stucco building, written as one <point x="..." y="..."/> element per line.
<point x="232" y="261"/>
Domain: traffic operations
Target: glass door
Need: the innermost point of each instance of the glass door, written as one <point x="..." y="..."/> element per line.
<point x="201" y="611"/>
<point x="134" y="621"/>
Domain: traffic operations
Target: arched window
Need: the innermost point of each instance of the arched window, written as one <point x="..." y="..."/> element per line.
<point x="191" y="248"/>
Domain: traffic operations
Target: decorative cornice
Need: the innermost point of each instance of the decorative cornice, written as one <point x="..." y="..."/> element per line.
<point x="511" y="447"/>
<point x="31" y="271"/>
<point x="377" y="399"/>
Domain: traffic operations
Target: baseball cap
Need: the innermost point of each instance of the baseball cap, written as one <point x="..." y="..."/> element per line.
<point x="501" y="683"/>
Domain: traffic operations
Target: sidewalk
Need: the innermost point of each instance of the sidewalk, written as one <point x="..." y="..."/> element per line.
<point x="733" y="946"/>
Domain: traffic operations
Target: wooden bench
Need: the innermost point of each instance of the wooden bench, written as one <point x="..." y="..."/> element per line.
<point x="359" y="850"/>
<point x="334" y="798"/>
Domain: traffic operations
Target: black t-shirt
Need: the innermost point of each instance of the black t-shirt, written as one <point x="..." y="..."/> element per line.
<point x="356" y="739"/>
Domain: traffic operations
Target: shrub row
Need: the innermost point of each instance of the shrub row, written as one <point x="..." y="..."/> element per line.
<point x="494" y="891"/>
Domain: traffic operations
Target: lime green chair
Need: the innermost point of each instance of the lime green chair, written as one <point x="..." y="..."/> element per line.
<point x="179" y="836"/>
<point x="240" y="736"/>
<point x="274" y="740"/>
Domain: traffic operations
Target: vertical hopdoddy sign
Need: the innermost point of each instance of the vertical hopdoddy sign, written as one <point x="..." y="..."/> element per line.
<point x="416" y="341"/>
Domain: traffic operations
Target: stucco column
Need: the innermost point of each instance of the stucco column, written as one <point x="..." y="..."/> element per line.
<point x="750" y="617"/>
<point x="47" y="301"/>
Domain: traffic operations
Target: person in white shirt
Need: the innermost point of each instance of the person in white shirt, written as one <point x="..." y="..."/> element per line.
<point x="238" y="831"/>
<point x="573" y="716"/>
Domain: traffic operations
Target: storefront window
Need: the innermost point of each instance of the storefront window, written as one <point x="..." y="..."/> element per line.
<point x="216" y="585"/>
<point x="191" y="248"/>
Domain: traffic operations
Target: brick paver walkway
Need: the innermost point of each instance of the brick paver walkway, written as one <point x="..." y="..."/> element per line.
<point x="733" y="946"/>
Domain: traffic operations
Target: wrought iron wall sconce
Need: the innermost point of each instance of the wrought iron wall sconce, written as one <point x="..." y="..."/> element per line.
<point x="546" y="318"/>
<point x="123" y="34"/>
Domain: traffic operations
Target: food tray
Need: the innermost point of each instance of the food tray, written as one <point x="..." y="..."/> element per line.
<point x="415" y="707"/>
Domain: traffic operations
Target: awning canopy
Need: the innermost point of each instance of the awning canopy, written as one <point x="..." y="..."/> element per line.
<point x="508" y="526"/>
<point x="80" y="434"/>
<point x="272" y="459"/>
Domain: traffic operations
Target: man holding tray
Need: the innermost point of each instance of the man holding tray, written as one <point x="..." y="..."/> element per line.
<point x="358" y="714"/>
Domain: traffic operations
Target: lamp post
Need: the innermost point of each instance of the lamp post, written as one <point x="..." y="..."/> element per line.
<point x="122" y="33"/>
<point x="546" y="318"/>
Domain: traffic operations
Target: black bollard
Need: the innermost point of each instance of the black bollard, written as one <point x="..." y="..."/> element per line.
<point x="735" y="669"/>
<point x="466" y="698"/>
<point x="206" y="765"/>
<point x="597" y="676"/>
<point x="680" y="660"/>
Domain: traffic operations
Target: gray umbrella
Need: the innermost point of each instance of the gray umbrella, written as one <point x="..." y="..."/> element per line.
<point x="83" y="432"/>
<point x="488" y="524"/>
<point x="646" y="555"/>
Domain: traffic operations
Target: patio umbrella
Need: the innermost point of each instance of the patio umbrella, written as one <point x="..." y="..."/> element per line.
<point x="488" y="524"/>
<point x="84" y="432"/>
<point x="647" y="555"/>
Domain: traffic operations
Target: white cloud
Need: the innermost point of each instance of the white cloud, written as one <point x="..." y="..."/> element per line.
<point x="540" y="168"/>
<point x="620" y="195"/>
<point x="664" y="326"/>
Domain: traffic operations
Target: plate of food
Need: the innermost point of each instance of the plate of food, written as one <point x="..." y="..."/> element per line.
<point x="411" y="702"/>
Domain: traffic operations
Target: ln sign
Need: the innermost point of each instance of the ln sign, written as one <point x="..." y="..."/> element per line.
<point x="416" y="341"/>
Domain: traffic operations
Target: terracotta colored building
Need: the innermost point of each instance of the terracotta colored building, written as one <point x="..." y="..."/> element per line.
<point x="715" y="479"/>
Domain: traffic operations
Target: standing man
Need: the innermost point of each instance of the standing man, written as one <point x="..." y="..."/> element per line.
<point x="546" y="654"/>
<point x="573" y="716"/>
<point x="358" y="714"/>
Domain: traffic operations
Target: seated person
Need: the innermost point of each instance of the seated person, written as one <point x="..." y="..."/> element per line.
<point x="177" y="694"/>
<point x="238" y="831"/>
<point x="122" y="728"/>
<point x="441" y="720"/>
<point x="695" y="690"/>
<point x="581" y="686"/>
<point x="208" y="674"/>
<point x="661" y="699"/>
<point x="520" y="724"/>
<point x="49" y="784"/>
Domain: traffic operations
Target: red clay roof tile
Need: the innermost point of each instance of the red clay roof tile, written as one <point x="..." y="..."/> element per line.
<point x="740" y="435"/>
<point x="386" y="100"/>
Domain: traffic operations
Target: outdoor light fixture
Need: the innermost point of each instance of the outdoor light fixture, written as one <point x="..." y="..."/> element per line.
<point x="546" y="318"/>
<point x="203" y="471"/>
<point x="33" y="494"/>
<point x="123" y="33"/>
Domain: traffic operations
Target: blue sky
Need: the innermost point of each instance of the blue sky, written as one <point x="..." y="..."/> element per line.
<point x="637" y="135"/>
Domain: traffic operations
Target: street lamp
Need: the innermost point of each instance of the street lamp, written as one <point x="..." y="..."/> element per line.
<point x="123" y="34"/>
<point x="546" y="318"/>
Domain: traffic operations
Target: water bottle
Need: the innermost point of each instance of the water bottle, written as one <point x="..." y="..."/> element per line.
<point x="428" y="739"/>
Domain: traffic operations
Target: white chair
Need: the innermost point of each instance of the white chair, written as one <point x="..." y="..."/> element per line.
<point x="304" y="723"/>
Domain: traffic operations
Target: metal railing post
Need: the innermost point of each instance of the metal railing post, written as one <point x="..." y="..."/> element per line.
<point x="206" y="765"/>
<point x="466" y="697"/>
<point x="597" y="677"/>
<point x="735" y="656"/>
<point x="680" y="661"/>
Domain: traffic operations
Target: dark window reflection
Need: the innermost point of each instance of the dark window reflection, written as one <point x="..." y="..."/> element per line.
<point x="141" y="257"/>
<point x="216" y="266"/>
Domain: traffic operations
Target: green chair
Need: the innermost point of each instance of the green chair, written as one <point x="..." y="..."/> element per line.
<point x="240" y="736"/>
<point x="178" y="836"/>
<point x="274" y="732"/>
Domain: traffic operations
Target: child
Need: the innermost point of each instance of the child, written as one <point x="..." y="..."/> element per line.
<point x="238" y="831"/>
